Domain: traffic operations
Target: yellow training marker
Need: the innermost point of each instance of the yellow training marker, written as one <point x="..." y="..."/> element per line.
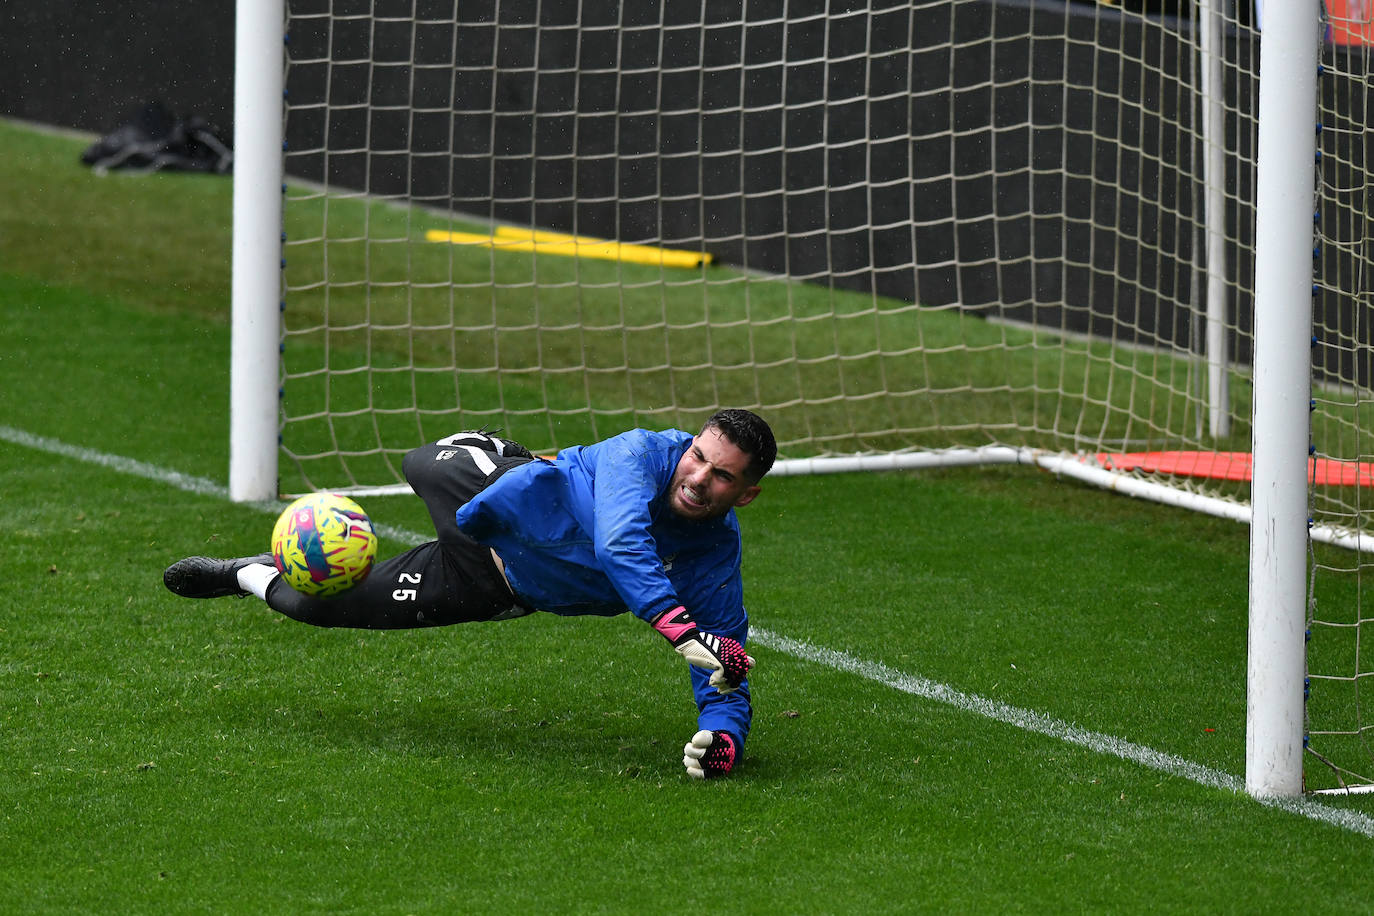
<point x="509" y="238"/>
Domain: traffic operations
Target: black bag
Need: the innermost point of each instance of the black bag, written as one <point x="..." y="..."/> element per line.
<point x="154" y="139"/>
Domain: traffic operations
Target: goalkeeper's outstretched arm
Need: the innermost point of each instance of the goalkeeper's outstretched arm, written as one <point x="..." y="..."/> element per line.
<point x="719" y="668"/>
<point x="723" y="721"/>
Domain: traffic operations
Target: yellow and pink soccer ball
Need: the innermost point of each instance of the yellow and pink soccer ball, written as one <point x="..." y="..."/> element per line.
<point x="323" y="544"/>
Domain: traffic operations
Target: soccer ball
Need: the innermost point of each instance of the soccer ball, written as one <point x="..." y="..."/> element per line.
<point x="323" y="544"/>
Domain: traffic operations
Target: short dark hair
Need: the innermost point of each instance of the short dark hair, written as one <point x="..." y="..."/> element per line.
<point x="750" y="434"/>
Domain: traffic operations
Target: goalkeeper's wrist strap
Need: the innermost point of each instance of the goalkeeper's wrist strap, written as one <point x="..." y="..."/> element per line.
<point x="676" y="625"/>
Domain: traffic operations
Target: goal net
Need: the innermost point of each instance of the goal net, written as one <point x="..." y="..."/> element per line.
<point x="1339" y="732"/>
<point x="972" y="230"/>
<point x="903" y="227"/>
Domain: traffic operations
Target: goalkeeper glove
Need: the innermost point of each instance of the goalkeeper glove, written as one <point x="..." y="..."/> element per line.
<point x="724" y="657"/>
<point x="709" y="754"/>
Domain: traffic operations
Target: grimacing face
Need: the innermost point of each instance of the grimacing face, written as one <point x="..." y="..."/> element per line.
<point x="710" y="478"/>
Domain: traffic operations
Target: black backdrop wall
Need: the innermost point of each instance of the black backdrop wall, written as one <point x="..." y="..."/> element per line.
<point x="86" y="64"/>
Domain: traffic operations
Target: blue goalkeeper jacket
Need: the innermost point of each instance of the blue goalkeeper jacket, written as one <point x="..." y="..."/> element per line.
<point x="591" y="533"/>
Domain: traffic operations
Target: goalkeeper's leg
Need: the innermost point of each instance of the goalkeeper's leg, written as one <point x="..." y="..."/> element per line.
<point x="432" y="585"/>
<point x="448" y="473"/>
<point x="451" y="580"/>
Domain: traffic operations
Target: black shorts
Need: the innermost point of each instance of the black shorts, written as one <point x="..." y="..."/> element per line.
<point x="450" y="580"/>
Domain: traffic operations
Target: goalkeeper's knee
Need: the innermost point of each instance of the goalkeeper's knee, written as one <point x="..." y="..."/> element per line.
<point x="709" y="754"/>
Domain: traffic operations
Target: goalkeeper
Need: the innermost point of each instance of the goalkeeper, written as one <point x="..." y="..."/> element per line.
<point x="642" y="522"/>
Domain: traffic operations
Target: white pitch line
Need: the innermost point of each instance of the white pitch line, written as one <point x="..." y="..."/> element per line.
<point x="201" y="486"/>
<point x="1025" y="719"/>
<point x="130" y="466"/>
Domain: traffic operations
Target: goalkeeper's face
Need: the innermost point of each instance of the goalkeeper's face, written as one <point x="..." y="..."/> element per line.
<point x="710" y="478"/>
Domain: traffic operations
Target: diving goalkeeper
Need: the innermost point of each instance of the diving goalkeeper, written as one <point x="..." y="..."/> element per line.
<point x="642" y="522"/>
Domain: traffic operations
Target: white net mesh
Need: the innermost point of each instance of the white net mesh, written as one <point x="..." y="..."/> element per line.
<point x="900" y="234"/>
<point x="1339" y="667"/>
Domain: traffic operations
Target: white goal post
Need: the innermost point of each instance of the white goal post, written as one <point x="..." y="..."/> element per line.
<point x="1283" y="382"/>
<point x="909" y="233"/>
<point x="257" y="252"/>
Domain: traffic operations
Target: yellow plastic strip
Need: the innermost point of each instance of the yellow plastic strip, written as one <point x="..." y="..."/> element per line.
<point x="508" y="238"/>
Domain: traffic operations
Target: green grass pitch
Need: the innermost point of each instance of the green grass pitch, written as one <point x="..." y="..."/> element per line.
<point x="165" y="756"/>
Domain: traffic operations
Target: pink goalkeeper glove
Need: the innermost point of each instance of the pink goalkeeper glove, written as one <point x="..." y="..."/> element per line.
<point x="709" y="754"/>
<point x="722" y="656"/>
